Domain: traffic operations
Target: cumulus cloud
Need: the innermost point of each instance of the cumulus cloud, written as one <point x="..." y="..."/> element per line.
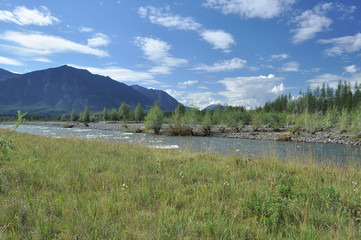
<point x="332" y="80"/>
<point x="219" y="39"/>
<point x="347" y="44"/>
<point x="282" y="56"/>
<point x="121" y="74"/>
<point x="157" y="51"/>
<point x="98" y="40"/>
<point x="224" y="65"/>
<point x="290" y="67"/>
<point x="311" y="22"/>
<point x="166" y="18"/>
<point x="251" y="8"/>
<point x="194" y="99"/>
<point x="351" y="69"/>
<point x="187" y="83"/>
<point x="9" y="61"/>
<point x="36" y="43"/>
<point x="251" y="91"/>
<point x="23" y="16"/>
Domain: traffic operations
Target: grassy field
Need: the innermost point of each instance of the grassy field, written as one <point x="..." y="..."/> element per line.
<point x="77" y="189"/>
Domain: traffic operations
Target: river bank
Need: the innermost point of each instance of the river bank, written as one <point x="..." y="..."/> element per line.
<point x="247" y="132"/>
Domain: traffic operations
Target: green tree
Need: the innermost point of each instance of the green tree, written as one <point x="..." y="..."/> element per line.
<point x="114" y="116"/>
<point x="85" y="117"/>
<point x="124" y="112"/>
<point x="74" y="116"/>
<point x="207" y="122"/>
<point x="106" y="115"/>
<point x="64" y="118"/>
<point x="154" y="119"/>
<point x="139" y="113"/>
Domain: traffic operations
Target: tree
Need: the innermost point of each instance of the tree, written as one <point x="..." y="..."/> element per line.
<point x="154" y="119"/>
<point x="139" y="113"/>
<point x="64" y="118"/>
<point x="74" y="116"/>
<point x="124" y="112"/>
<point x="114" y="116"/>
<point x="207" y="122"/>
<point x="106" y="115"/>
<point x="85" y="117"/>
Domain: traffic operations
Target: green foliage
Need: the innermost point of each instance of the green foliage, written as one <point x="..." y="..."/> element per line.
<point x="6" y="144"/>
<point x="142" y="193"/>
<point x="64" y="118"/>
<point x="207" y="123"/>
<point x="114" y="116"/>
<point x="74" y="116"/>
<point x="154" y="119"/>
<point x="124" y="112"/>
<point x="139" y="113"/>
<point x="85" y="117"/>
<point x="106" y="115"/>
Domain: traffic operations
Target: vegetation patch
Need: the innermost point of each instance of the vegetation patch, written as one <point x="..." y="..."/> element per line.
<point x="71" y="188"/>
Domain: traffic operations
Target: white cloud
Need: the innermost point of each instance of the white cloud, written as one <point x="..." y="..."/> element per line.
<point x="311" y="22"/>
<point x="251" y="8"/>
<point x="86" y="29"/>
<point x="165" y="18"/>
<point x="98" y="40"/>
<point x="282" y="56"/>
<point x="45" y="60"/>
<point x="290" y="67"/>
<point x="36" y="43"/>
<point x="219" y="39"/>
<point x="194" y="99"/>
<point x="187" y="83"/>
<point x="251" y="91"/>
<point x="351" y="69"/>
<point x="332" y="80"/>
<point x="121" y="74"/>
<point x="24" y="16"/>
<point x="224" y="65"/>
<point x="157" y="51"/>
<point x="347" y="44"/>
<point x="8" y="61"/>
<point x="278" y="89"/>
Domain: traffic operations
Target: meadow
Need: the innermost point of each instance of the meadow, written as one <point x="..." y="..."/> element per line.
<point x="79" y="189"/>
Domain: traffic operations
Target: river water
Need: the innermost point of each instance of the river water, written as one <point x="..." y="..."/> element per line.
<point x="335" y="154"/>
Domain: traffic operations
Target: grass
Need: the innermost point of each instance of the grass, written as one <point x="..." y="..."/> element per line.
<point x="78" y="189"/>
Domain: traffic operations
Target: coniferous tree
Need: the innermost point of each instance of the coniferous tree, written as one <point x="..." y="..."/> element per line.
<point x="74" y="116"/>
<point x="85" y="117"/>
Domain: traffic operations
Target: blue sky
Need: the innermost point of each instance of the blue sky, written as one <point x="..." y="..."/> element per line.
<point x="238" y="52"/>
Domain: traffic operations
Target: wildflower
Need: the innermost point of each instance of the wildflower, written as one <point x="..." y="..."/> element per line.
<point x="226" y="183"/>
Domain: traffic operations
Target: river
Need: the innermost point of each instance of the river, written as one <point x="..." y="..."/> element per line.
<point x="335" y="154"/>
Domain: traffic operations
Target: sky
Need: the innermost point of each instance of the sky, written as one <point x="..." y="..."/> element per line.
<point x="202" y="52"/>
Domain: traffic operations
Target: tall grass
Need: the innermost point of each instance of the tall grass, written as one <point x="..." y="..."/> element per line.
<point x="77" y="189"/>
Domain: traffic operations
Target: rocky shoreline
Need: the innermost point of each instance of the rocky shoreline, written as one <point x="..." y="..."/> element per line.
<point x="247" y="132"/>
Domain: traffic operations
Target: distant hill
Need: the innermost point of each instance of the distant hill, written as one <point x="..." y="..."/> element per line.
<point x="214" y="107"/>
<point x="165" y="101"/>
<point x="59" y="90"/>
<point x="4" y="75"/>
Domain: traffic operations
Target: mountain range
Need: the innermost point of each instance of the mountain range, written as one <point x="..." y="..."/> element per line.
<point x="62" y="89"/>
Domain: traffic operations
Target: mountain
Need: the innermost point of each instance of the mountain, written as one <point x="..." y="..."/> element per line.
<point x="4" y="75"/>
<point x="165" y="101"/>
<point x="59" y="90"/>
<point x="213" y="107"/>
